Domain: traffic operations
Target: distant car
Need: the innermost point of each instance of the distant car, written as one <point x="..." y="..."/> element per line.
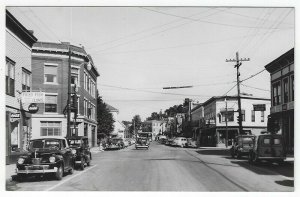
<point x="191" y="143"/>
<point x="126" y="143"/>
<point x="142" y="142"/>
<point x="132" y="141"/>
<point x="114" y="143"/>
<point x="180" y="141"/>
<point x="268" y="147"/>
<point x="163" y="140"/>
<point x="81" y="150"/>
<point x="46" y="155"/>
<point x="241" y="146"/>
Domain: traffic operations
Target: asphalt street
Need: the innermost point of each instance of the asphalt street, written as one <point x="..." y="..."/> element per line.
<point x="164" y="168"/>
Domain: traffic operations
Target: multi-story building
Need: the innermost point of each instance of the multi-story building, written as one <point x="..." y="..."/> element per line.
<point x="197" y="119"/>
<point x="213" y="125"/>
<point x="119" y="127"/>
<point x="19" y="41"/>
<point x="158" y="127"/>
<point x="50" y="71"/>
<point x="282" y="96"/>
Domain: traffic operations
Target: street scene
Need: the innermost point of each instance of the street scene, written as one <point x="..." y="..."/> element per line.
<point x="141" y="98"/>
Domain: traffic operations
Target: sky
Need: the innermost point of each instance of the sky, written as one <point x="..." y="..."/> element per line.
<point x="140" y="50"/>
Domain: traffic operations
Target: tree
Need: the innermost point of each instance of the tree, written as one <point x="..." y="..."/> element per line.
<point x="104" y="118"/>
<point x="137" y="122"/>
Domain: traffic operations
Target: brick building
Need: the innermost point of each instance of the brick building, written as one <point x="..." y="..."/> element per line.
<point x="282" y="93"/>
<point x="50" y="66"/>
<point x="19" y="41"/>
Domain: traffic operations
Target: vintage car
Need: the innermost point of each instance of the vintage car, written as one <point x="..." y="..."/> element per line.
<point x="142" y="142"/>
<point x="46" y="155"/>
<point x="241" y="145"/>
<point x="81" y="150"/>
<point x="179" y="141"/>
<point x="114" y="143"/>
<point x="268" y="147"/>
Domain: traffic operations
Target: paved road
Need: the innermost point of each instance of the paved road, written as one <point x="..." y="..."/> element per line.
<point x="163" y="168"/>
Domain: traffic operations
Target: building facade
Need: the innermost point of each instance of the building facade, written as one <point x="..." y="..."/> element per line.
<point x="50" y="72"/>
<point x="213" y="127"/>
<point x="119" y="127"/>
<point x="19" y="41"/>
<point x="282" y="96"/>
<point x="158" y="128"/>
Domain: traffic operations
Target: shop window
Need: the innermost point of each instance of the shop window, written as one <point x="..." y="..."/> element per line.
<point x="51" y="103"/>
<point x="50" y="74"/>
<point x="25" y="80"/>
<point x="50" y="128"/>
<point x="10" y="77"/>
<point x="276" y="93"/>
<point x="285" y="90"/>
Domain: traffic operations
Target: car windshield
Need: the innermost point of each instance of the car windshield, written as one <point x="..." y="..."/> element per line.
<point x="74" y="142"/>
<point x="248" y="140"/>
<point x="45" y="144"/>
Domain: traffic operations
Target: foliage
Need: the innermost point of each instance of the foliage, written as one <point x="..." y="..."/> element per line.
<point x="104" y="118"/>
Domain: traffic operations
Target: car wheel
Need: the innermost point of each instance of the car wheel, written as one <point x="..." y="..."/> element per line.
<point x="238" y="155"/>
<point x="20" y="177"/>
<point x="71" y="171"/>
<point x="59" y="173"/>
<point x="89" y="161"/>
<point x="82" y="164"/>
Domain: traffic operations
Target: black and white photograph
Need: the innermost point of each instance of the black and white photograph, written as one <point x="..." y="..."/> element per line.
<point x="148" y="97"/>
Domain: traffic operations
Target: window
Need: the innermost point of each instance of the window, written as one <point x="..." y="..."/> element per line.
<point x="243" y="115"/>
<point x="276" y="141"/>
<point x="75" y="104"/>
<point x="50" y="103"/>
<point x="75" y="76"/>
<point x="230" y="116"/>
<point x="25" y="80"/>
<point x="285" y="90"/>
<point x="84" y="80"/>
<point x="276" y="93"/>
<point x="262" y="115"/>
<point x="292" y="87"/>
<point x="50" y="128"/>
<point x="50" y="72"/>
<point x="85" y="129"/>
<point x="267" y="141"/>
<point x="10" y="77"/>
<point x="253" y="116"/>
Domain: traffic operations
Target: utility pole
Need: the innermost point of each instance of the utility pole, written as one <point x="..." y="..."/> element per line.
<point x="69" y="96"/>
<point x="237" y="66"/>
<point x="226" y="115"/>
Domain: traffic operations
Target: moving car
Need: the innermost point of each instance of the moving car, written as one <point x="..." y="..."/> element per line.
<point x="180" y="141"/>
<point x="241" y="146"/>
<point x="142" y="142"/>
<point x="114" y="143"/>
<point x="268" y="147"/>
<point x="46" y="155"/>
<point x="81" y="151"/>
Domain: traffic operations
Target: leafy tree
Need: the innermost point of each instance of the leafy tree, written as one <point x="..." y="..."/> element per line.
<point x="104" y="118"/>
<point x="137" y="122"/>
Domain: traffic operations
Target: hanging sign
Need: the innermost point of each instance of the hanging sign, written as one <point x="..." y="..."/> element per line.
<point x="259" y="107"/>
<point x="33" y="97"/>
<point x="33" y="108"/>
<point x="14" y="117"/>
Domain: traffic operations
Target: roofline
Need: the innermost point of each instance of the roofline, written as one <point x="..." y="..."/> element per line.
<point x="280" y="58"/>
<point x="233" y="97"/>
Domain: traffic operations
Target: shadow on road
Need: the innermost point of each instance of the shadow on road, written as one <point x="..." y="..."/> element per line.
<point x="214" y="152"/>
<point x="288" y="183"/>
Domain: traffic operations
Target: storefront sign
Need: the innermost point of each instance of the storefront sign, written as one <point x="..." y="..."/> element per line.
<point x="14" y="117"/>
<point x="33" y="108"/>
<point x="33" y="97"/>
<point x="259" y="107"/>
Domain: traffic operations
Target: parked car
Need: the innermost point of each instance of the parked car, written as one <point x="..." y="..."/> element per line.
<point x="163" y="140"/>
<point x="268" y="147"/>
<point x="114" y="143"/>
<point x="169" y="141"/>
<point x="132" y="141"/>
<point x="46" y="155"/>
<point x="241" y="145"/>
<point x="81" y="150"/>
<point x="126" y="143"/>
<point x="142" y="142"/>
<point x="180" y="141"/>
<point x="191" y="143"/>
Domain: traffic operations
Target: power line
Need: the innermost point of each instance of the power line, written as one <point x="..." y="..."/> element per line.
<point x="229" y="90"/>
<point x="253" y="75"/>
<point x="255" y="88"/>
<point x="203" y="21"/>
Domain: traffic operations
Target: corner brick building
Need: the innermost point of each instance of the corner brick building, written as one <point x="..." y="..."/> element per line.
<point x="50" y="64"/>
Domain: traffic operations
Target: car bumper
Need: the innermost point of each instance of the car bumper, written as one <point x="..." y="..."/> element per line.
<point x="142" y="146"/>
<point x="42" y="170"/>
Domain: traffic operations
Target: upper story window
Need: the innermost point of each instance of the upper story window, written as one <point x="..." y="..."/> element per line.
<point x="292" y="88"/>
<point x="243" y="115"/>
<point x="262" y="115"/>
<point x="51" y="103"/>
<point x="230" y="116"/>
<point x="26" y="80"/>
<point x="276" y="93"/>
<point x="253" y="116"/>
<point x="10" y="77"/>
<point x="285" y="90"/>
<point x="75" y="76"/>
<point x="50" y="74"/>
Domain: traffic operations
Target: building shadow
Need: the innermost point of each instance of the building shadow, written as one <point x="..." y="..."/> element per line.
<point x="214" y="152"/>
<point x="288" y="183"/>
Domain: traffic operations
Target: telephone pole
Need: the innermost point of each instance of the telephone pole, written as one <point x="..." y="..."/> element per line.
<point x="237" y="66"/>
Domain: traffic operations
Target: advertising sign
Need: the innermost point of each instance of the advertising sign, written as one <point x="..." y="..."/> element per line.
<point x="33" y="108"/>
<point x="259" y="107"/>
<point x="14" y="117"/>
<point x="33" y="97"/>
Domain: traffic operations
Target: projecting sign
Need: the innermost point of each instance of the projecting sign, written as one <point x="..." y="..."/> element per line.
<point x="33" y="97"/>
<point x="33" y="108"/>
<point x="259" y="107"/>
<point x="14" y="117"/>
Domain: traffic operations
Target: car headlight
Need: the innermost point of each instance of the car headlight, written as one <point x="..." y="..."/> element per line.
<point x="52" y="159"/>
<point x="73" y="151"/>
<point x="21" y="160"/>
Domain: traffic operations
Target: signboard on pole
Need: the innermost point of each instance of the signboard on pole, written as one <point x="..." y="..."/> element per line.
<point x="259" y="107"/>
<point x="14" y="117"/>
<point x="33" y="97"/>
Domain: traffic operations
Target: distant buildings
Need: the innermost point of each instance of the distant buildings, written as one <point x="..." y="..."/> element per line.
<point x="282" y="96"/>
<point x="18" y="71"/>
<point x="50" y="67"/>
<point x="119" y="127"/>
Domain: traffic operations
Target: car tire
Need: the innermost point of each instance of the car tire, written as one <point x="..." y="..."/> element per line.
<point x="82" y="164"/>
<point x="71" y="170"/>
<point x="60" y="172"/>
<point x="20" y="177"/>
<point x="89" y="161"/>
